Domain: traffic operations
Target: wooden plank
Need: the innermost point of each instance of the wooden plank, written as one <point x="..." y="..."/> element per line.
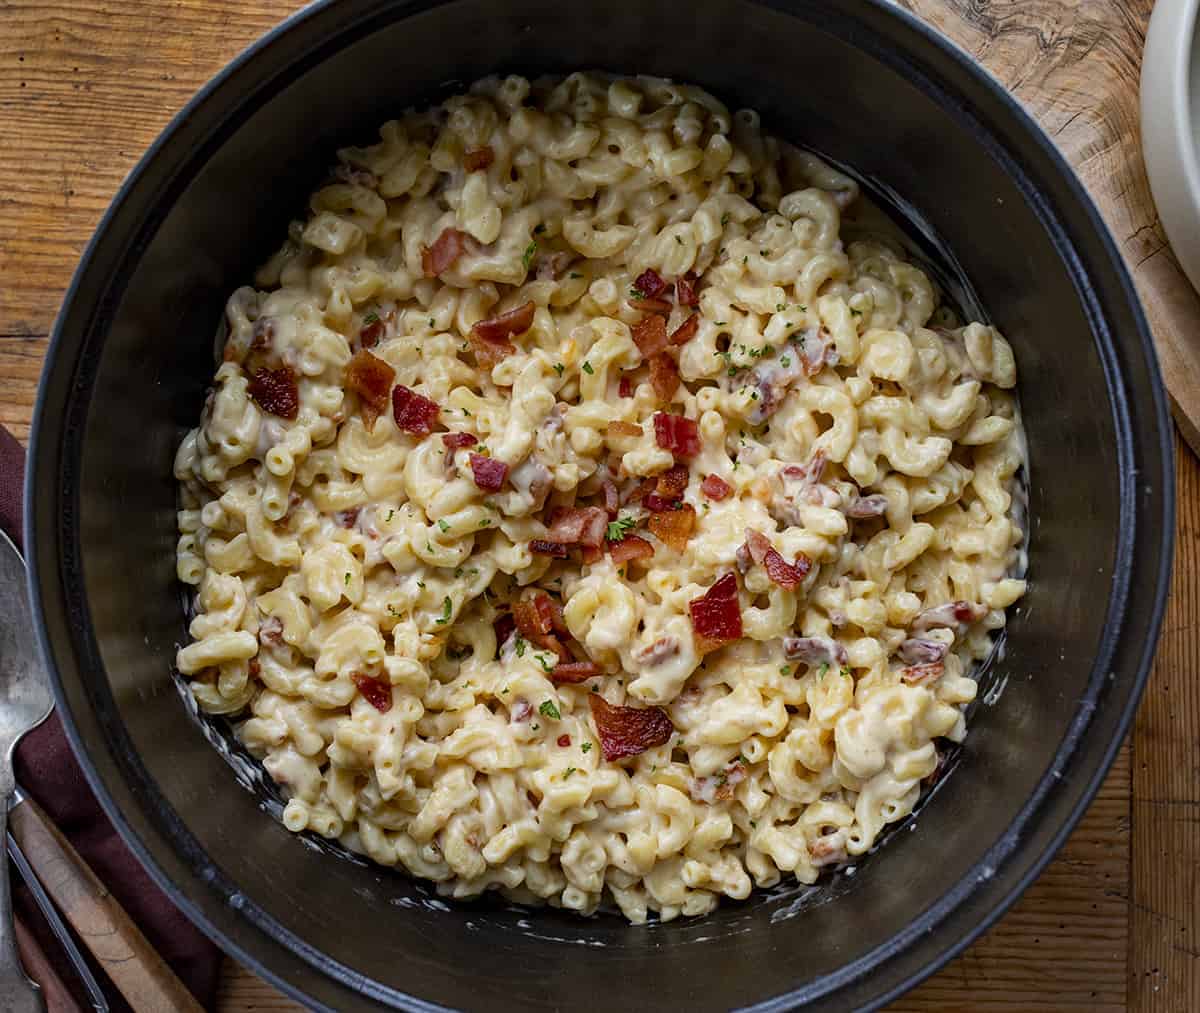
<point x="1164" y="956"/>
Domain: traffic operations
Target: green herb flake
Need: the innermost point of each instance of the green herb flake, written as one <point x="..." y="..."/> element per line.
<point x="586" y="747"/>
<point x="528" y="255"/>
<point x="725" y="218"/>
<point x="421" y="584"/>
<point x="431" y="324"/>
<point x="443" y="524"/>
<point x="391" y="514"/>
<point x="785" y="361"/>
<point x="559" y="368"/>
<point x="846" y="671"/>
<point x="347" y="580"/>
<point x="370" y="318"/>
<point x="679" y="240"/>
<point x="447" y="607"/>
<point x="783" y="670"/>
<point x="519" y="646"/>
<point x="823" y="669"/>
<point x="539" y="229"/>
<point x="587" y="367"/>
<point x="546" y="663"/>
<point x="548" y="710"/>
<point x="855" y="313"/>
<point x="485" y="522"/>
<point x="575" y="274"/>
<point x="618" y="528"/>
<point x="780" y="307"/>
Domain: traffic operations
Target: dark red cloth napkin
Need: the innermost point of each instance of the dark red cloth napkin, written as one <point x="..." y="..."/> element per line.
<point x="47" y="769"/>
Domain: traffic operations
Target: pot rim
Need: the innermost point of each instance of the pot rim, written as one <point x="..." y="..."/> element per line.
<point x="47" y="567"/>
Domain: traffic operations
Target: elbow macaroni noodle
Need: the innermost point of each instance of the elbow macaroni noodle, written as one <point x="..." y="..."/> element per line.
<point x="321" y="550"/>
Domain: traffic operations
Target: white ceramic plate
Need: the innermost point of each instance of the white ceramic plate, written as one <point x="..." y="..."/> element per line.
<point x="1171" y="125"/>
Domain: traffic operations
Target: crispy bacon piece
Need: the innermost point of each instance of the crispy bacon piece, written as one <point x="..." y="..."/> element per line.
<point x="446" y="249"/>
<point x="371" y="379"/>
<point x="867" y="506"/>
<point x="787" y="575"/>
<point x="650" y="334"/>
<point x="375" y="691"/>
<point x="275" y="391"/>
<point x="533" y="622"/>
<point x="628" y="731"/>
<point x="346" y="518"/>
<point x="651" y="306"/>
<point x="949" y="616"/>
<point x="505" y="325"/>
<point x="672" y="483"/>
<point x="677" y="434"/>
<point x="757" y="545"/>
<point x="571" y="672"/>
<point x="456" y="441"/>
<point x="814" y="650"/>
<point x="685" y="290"/>
<point x="503" y="627"/>
<point x="618" y="428"/>
<point x="413" y="413"/>
<point x="674" y="527"/>
<point x="655" y="503"/>
<point x="664" y="376"/>
<point x="522" y="710"/>
<point x="650" y="284"/>
<point x="715" y="487"/>
<point x="489" y="473"/>
<point x="718" y="787"/>
<point x="657" y="652"/>
<point x="918" y="651"/>
<point x="686" y="330"/>
<point x="563" y="741"/>
<point x="478" y="158"/>
<point x="919" y="675"/>
<point x="628" y="548"/>
<point x="488" y="353"/>
<point x="625" y="387"/>
<point x="270" y="630"/>
<point x="590" y="553"/>
<point x="541" y="547"/>
<point x="612" y="499"/>
<point x="717" y="615"/>
<point x="585" y="525"/>
<point x="370" y="334"/>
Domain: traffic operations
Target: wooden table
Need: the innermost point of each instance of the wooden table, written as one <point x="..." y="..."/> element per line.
<point x="86" y="85"/>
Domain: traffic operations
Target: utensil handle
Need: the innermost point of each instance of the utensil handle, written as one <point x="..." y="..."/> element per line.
<point x="102" y="924"/>
<point x="17" y="992"/>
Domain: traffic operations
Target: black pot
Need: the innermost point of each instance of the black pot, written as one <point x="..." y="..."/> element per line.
<point x="861" y="82"/>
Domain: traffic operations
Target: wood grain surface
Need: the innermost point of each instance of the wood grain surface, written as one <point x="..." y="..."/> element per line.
<point x="86" y="85"/>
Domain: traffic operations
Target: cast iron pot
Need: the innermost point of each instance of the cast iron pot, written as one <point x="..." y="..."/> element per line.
<point x="861" y="82"/>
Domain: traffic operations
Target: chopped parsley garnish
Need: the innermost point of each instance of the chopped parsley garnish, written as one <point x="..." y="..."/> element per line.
<point x="855" y="313"/>
<point x="618" y="528"/>
<point x="846" y="670"/>
<point x="447" y="606"/>
<point x="823" y="669"/>
<point x="586" y="747"/>
<point x="548" y="710"/>
<point x="547" y="665"/>
<point x="528" y="255"/>
<point x="443" y="525"/>
<point x="519" y="646"/>
<point x="391" y="514"/>
<point x="785" y="361"/>
<point x="485" y="522"/>
<point x="679" y="240"/>
<point x="347" y="580"/>
<point x="587" y="367"/>
<point x="780" y="307"/>
<point x="558" y="368"/>
<point x="575" y="274"/>
<point x="725" y="218"/>
<point x="371" y="318"/>
<point x="783" y="670"/>
<point x="431" y="322"/>
<point x="421" y="584"/>
<point x="539" y="229"/>
<point x="568" y="772"/>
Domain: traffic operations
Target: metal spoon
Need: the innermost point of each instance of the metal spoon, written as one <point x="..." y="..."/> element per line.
<point x="25" y="701"/>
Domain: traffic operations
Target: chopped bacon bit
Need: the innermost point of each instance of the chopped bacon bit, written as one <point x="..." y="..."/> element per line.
<point x="664" y="376"/>
<point x="677" y="434"/>
<point x="787" y="575"/>
<point x="657" y="652"/>
<point x="674" y="527"/>
<point x="503" y="627"/>
<point x="655" y="503"/>
<point x="488" y="353"/>
<point x="478" y="158"/>
<point x="685" y="290"/>
<point x="867" y="506"/>
<point x="540" y="547"/>
<point x="489" y="473"/>
<point x="564" y="740"/>
<point x="814" y="650"/>
<point x="370" y="334"/>
<point x="548" y="618"/>
<point x="628" y="731"/>
<point x="612" y="499"/>
<point x="918" y="651"/>
<point x="271" y="630"/>
<point x="619" y="428"/>
<point x="413" y="413"/>
<point x="625" y="387"/>
<point x="628" y="548"/>
<point x="456" y="441"/>
<point x="949" y="615"/>
<point x="446" y="249"/>
<point x="651" y="306"/>
<point x="590" y="553"/>
<point x="371" y="379"/>
<point x="254" y="668"/>
<point x="375" y="691"/>
<point x="498" y="328"/>
<point x="650" y="284"/>
<point x="757" y="545"/>
<point x="650" y="335"/>
<point x="533" y="622"/>
<point x="522" y="710"/>
<point x="573" y="672"/>
<point x="686" y="330"/>
<point x="346" y="518"/>
<point x="263" y="336"/>
<point x="275" y="391"/>
<point x="581" y="524"/>
<point x="672" y="482"/>
<point x="717" y="616"/>
<point x="919" y="675"/>
<point x="715" y="487"/>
